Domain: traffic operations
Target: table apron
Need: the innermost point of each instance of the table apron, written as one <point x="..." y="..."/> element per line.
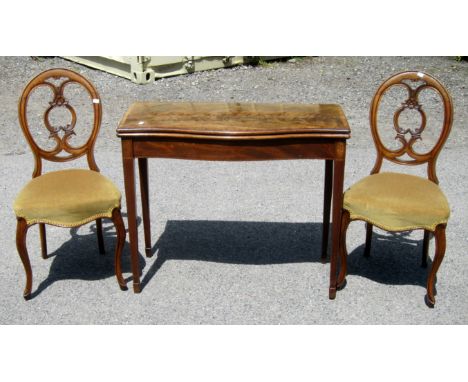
<point x="238" y="150"/>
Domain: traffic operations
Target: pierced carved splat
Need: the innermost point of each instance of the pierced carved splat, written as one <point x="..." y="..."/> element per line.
<point x="414" y="83"/>
<point x="57" y="80"/>
<point x="411" y="103"/>
<point x="68" y="129"/>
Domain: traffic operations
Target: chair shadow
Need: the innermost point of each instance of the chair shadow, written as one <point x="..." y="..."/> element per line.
<point x="395" y="259"/>
<point x="79" y="257"/>
<point x="235" y="242"/>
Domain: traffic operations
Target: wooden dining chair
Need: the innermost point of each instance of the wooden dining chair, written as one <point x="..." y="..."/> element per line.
<point x="399" y="202"/>
<point x="70" y="197"/>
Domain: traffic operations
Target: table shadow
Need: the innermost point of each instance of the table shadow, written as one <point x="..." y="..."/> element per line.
<point x="395" y="257"/>
<point x="236" y="242"/>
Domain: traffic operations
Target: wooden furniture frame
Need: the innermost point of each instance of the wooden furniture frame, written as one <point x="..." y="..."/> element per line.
<point x="233" y="132"/>
<point x="61" y="135"/>
<point x="414" y="83"/>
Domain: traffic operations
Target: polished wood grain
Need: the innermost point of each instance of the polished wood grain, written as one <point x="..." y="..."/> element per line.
<point x="237" y="150"/>
<point x="414" y="83"/>
<point x="233" y="120"/>
<point x="233" y="132"/>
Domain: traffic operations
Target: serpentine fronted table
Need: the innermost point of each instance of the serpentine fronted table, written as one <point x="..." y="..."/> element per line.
<point x="233" y="132"/>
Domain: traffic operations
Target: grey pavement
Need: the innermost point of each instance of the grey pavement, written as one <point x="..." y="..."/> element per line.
<point x="236" y="243"/>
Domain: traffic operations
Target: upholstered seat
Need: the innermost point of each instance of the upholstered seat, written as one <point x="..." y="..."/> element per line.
<point x="397" y="202"/>
<point x="67" y="198"/>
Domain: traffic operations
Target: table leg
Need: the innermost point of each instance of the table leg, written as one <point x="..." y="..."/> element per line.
<point x="327" y="197"/>
<point x="144" y="189"/>
<point x="129" y="179"/>
<point x="338" y="178"/>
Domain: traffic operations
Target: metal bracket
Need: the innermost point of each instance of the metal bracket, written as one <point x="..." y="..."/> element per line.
<point x="141" y="74"/>
<point x="143" y="59"/>
<point x="189" y="63"/>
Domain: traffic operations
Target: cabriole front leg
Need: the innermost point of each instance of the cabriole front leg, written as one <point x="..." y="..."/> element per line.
<point x="21" y="231"/>
<point x="120" y="229"/>
<point x="440" y="244"/>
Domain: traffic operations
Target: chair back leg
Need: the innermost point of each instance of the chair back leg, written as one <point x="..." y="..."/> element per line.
<point x="425" y="250"/>
<point x="367" y="248"/>
<point x="42" y="234"/>
<point x="100" y="238"/>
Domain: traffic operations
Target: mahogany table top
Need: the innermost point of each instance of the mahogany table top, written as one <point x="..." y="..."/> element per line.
<point x="233" y="121"/>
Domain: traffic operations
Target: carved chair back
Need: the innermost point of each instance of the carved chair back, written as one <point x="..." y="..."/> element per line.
<point x="414" y="83"/>
<point x="57" y="81"/>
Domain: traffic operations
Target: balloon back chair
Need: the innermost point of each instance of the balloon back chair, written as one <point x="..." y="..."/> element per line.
<point x="399" y="202"/>
<point x="70" y="197"/>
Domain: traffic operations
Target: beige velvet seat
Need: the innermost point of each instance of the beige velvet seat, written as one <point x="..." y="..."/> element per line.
<point x="397" y="202"/>
<point x="70" y="197"/>
<point x="67" y="198"/>
<point x="400" y="202"/>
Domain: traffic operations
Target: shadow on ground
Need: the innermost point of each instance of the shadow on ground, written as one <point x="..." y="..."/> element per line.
<point x="395" y="257"/>
<point x="79" y="258"/>
<point x="254" y="243"/>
